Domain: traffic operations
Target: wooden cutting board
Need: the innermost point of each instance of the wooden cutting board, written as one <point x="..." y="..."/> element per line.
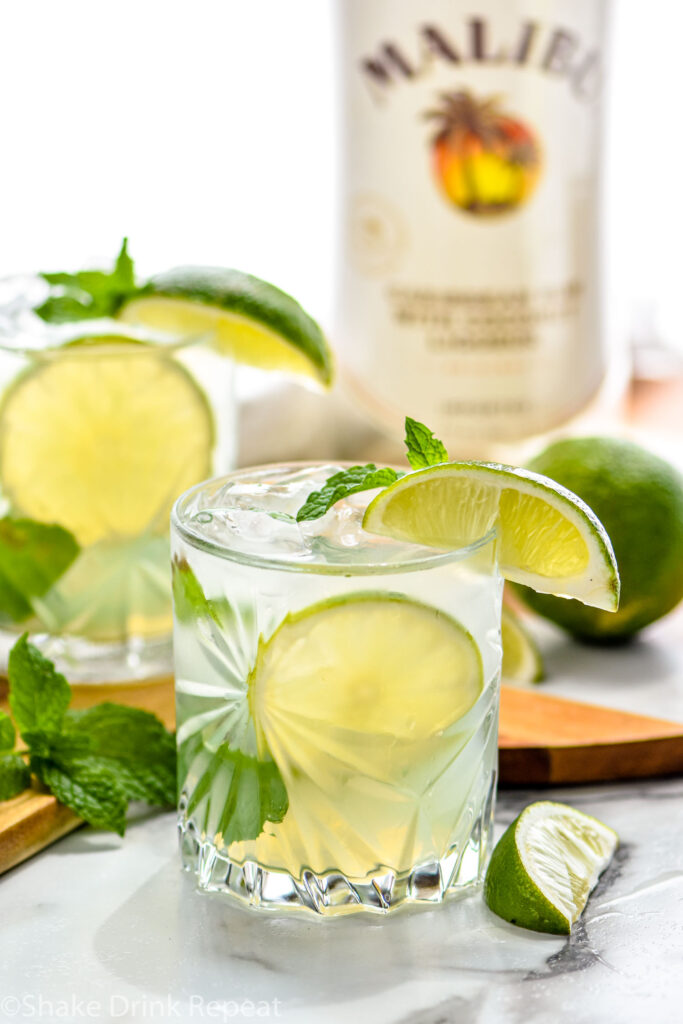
<point x="543" y="740"/>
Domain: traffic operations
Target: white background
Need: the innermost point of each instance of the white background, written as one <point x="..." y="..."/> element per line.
<point x="205" y="130"/>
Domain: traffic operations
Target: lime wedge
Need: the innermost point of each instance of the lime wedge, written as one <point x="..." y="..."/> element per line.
<point x="548" y="538"/>
<point x="545" y="865"/>
<point x="361" y="702"/>
<point x="101" y="436"/>
<point x="250" y="320"/>
<point x="522" y="661"/>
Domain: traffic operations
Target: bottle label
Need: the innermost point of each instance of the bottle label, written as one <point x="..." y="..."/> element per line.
<point x="469" y="290"/>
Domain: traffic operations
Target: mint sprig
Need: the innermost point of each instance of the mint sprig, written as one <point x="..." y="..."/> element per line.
<point x="423" y="450"/>
<point x="89" y="294"/>
<point x="14" y="773"/>
<point x="94" y="761"/>
<point x="90" y="790"/>
<point x="39" y="695"/>
<point x="8" y="734"/>
<point x="341" y="485"/>
<point x="134" y="744"/>
<point x="15" y="776"/>
<point x="33" y="556"/>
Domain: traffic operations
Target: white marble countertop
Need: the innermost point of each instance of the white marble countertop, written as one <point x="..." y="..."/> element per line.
<point x="96" y="928"/>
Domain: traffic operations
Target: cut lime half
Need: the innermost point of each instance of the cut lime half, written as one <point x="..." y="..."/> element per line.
<point x="545" y="865"/>
<point x="249" y="320"/>
<point x="548" y="538"/>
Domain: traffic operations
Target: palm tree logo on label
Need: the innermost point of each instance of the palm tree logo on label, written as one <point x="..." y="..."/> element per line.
<point x="485" y="161"/>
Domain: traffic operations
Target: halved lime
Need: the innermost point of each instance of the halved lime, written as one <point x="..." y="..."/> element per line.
<point x="547" y="537"/>
<point x="250" y="320"/>
<point x="522" y="661"/>
<point x="545" y="865"/>
<point x="101" y="436"/>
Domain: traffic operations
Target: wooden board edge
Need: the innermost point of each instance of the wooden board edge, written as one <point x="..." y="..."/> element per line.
<point x="590" y="763"/>
<point x="39" y="824"/>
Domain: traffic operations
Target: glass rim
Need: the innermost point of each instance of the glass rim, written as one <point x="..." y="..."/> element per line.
<point x="139" y="343"/>
<point x="23" y="333"/>
<point x="229" y="554"/>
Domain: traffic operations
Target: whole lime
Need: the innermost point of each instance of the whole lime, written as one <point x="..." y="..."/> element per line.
<point x="639" y="499"/>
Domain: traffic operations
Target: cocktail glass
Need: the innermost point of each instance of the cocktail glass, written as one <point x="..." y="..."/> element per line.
<point x="101" y="427"/>
<point x="337" y="700"/>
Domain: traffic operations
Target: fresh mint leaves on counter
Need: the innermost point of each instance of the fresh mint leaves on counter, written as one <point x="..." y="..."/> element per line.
<point x="89" y="294"/>
<point x="39" y="695"/>
<point x="8" y="734"/>
<point x="95" y="761"/>
<point x="423" y="450"/>
<point x="135" y="744"/>
<point x="32" y="558"/>
<point x="14" y="773"/>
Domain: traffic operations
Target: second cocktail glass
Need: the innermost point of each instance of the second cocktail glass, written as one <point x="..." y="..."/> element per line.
<point x="101" y="426"/>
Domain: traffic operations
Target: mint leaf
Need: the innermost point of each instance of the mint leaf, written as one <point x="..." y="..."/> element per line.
<point x="59" y="746"/>
<point x="15" y="776"/>
<point x="38" y="695"/>
<point x="135" y="744"/>
<point x="341" y="485"/>
<point x="90" y="789"/>
<point x="32" y="558"/>
<point x="254" y="794"/>
<point x="89" y="293"/>
<point x="423" y="448"/>
<point x="93" y="761"/>
<point x="64" y="309"/>
<point x="124" y="268"/>
<point x="189" y="600"/>
<point x="8" y="735"/>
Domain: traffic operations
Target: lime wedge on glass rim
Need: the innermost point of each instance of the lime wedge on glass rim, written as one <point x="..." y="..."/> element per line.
<point x="249" y="320"/>
<point x="545" y="865"/>
<point x="548" y="538"/>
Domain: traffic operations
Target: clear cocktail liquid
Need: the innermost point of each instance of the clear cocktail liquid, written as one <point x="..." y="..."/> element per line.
<point x="371" y="793"/>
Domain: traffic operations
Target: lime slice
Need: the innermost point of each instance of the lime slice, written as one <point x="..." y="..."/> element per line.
<point x="101" y="436"/>
<point x="251" y="321"/>
<point x="522" y="661"/>
<point x="548" y="538"/>
<point x="361" y="701"/>
<point x="372" y="663"/>
<point x="545" y="865"/>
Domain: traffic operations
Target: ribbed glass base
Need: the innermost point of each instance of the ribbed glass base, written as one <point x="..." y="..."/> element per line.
<point x="457" y="873"/>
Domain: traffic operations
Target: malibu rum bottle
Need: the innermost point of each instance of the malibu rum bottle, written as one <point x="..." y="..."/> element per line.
<point x="469" y="289"/>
